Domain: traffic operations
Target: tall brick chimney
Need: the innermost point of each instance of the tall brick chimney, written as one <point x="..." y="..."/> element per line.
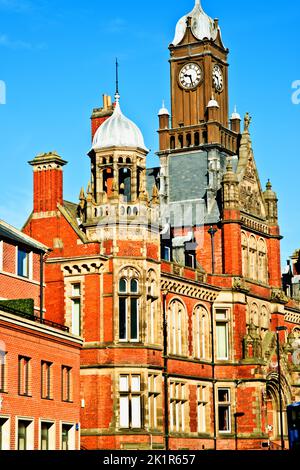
<point x="47" y="182"/>
<point x="102" y="114"/>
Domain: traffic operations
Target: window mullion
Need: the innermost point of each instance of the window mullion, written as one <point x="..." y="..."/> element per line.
<point x="128" y="317"/>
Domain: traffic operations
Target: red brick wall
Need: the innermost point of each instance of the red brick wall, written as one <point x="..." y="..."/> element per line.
<point x="96" y="123"/>
<point x="48" y="190"/>
<point x="15" y="287"/>
<point x="9" y="258"/>
<point x="274" y="259"/>
<point x="232" y="249"/>
<point x="39" y="347"/>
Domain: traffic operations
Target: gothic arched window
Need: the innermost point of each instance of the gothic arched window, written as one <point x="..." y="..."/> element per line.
<point x="201" y="329"/>
<point x="178" y="338"/>
<point x="264" y="320"/>
<point x="152" y="300"/>
<point x="129" y="293"/>
<point x="262" y="261"/>
<point x="245" y="256"/>
<point x="252" y="257"/>
<point x="254" y="315"/>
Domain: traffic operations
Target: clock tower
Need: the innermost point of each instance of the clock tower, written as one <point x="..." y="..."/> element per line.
<point x="197" y="138"/>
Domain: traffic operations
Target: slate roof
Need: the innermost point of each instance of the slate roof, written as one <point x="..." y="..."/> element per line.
<point x="11" y="233"/>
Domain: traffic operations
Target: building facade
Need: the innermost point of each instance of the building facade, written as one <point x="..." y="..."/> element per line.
<point x="39" y="359"/>
<point x="172" y="275"/>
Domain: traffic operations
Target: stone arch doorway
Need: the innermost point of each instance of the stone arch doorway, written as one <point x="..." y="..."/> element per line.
<point x="273" y="406"/>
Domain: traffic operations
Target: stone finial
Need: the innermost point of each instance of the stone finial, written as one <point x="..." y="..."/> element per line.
<point x="229" y="167"/>
<point x="269" y="186"/>
<point x="89" y="193"/>
<point x="82" y="199"/>
<point x="82" y="195"/>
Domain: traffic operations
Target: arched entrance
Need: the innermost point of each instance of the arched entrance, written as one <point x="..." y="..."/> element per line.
<point x="273" y="407"/>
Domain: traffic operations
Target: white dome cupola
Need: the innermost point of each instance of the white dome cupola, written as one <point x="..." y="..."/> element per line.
<point x="118" y="131"/>
<point x="202" y="26"/>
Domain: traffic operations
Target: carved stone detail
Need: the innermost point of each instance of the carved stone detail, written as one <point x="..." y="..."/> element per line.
<point x="250" y="170"/>
<point x="248" y="222"/>
<point x="239" y="285"/>
<point x="250" y="200"/>
<point x="252" y="343"/>
<point x="278" y="296"/>
<point x="292" y="317"/>
<point x="188" y="290"/>
<point x="73" y="269"/>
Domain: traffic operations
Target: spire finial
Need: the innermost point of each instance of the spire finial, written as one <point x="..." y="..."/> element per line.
<point x="269" y="185"/>
<point x="117" y="95"/>
<point x="229" y="167"/>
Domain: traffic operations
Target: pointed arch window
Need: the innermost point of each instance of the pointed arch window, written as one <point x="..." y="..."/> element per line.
<point x="252" y="257"/>
<point x="264" y="320"/>
<point x="129" y="310"/>
<point x="201" y="328"/>
<point x="245" y="256"/>
<point x="262" y="261"/>
<point x="178" y="341"/>
<point x="152" y="306"/>
<point x="254" y="315"/>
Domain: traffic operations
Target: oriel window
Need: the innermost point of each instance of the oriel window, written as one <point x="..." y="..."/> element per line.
<point x="202" y="407"/>
<point x="153" y="399"/>
<point x="128" y="310"/>
<point x="130" y="410"/>
<point x="76" y="309"/>
<point x="224" y="410"/>
<point x="178" y="404"/>
<point x="222" y="334"/>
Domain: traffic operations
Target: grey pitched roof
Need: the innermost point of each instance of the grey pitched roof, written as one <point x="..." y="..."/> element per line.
<point x="71" y="207"/>
<point x="9" y="232"/>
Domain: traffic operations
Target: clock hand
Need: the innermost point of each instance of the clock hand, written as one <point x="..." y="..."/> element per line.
<point x="190" y="76"/>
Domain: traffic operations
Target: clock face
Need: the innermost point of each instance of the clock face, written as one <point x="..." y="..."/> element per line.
<point x="218" y="80"/>
<point x="190" y="76"/>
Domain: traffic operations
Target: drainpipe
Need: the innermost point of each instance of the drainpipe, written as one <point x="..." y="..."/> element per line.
<point x="212" y="232"/>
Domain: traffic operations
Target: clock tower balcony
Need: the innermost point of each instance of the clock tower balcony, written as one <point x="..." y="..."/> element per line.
<point x="194" y="137"/>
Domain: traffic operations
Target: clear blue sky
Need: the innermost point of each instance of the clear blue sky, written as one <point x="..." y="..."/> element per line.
<point x="57" y="58"/>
